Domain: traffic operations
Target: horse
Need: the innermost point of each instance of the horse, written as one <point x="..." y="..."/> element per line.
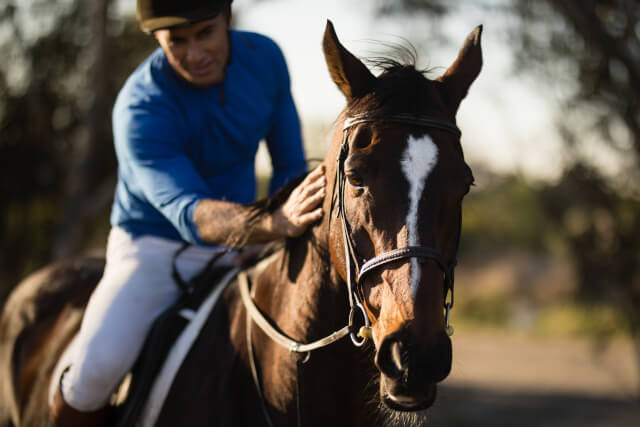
<point x="380" y="262"/>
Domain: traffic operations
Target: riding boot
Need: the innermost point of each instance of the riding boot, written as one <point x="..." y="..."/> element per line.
<point x="63" y="415"/>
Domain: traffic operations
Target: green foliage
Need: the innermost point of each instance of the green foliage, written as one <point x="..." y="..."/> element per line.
<point x="564" y="319"/>
<point x="578" y="320"/>
<point x="489" y="311"/>
<point x="503" y="212"/>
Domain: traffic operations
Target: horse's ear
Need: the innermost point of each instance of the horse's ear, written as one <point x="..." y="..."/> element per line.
<point x="464" y="70"/>
<point x="351" y="76"/>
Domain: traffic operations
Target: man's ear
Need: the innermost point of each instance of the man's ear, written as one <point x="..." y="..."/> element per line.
<point x="459" y="76"/>
<point x="227" y="10"/>
<point x="351" y="76"/>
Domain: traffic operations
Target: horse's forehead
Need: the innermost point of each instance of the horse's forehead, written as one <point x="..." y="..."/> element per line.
<point x="408" y="163"/>
<point x="417" y="162"/>
<point x="416" y="153"/>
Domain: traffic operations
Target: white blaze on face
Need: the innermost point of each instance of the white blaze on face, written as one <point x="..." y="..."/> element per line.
<point x="418" y="160"/>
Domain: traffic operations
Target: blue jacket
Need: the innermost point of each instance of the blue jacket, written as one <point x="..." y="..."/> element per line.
<point x="177" y="144"/>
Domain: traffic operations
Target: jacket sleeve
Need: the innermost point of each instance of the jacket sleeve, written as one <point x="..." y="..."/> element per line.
<point x="284" y="139"/>
<point x="150" y="142"/>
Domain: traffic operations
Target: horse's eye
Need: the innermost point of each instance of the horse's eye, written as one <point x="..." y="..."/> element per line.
<point x="355" y="179"/>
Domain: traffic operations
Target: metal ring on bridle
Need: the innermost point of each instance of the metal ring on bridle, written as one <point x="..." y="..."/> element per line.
<point x="447" y="316"/>
<point x="353" y="333"/>
<point x="448" y="294"/>
<point x="295" y="355"/>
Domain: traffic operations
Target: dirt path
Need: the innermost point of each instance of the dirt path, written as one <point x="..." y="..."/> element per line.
<point x="504" y="380"/>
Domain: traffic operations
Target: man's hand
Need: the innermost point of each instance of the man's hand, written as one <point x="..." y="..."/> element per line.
<point x="225" y="223"/>
<point x="303" y="207"/>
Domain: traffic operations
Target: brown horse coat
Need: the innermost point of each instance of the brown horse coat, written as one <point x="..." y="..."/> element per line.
<point x="38" y="321"/>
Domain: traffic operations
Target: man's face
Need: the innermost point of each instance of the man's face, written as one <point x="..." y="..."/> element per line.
<point x="198" y="52"/>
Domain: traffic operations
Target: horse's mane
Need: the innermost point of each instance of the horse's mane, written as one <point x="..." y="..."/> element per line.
<point x="262" y="207"/>
<point x="271" y="203"/>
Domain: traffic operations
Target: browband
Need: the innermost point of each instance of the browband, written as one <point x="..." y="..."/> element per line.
<point x="410" y="119"/>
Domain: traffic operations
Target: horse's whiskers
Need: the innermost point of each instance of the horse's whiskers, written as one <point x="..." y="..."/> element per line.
<point x="391" y="418"/>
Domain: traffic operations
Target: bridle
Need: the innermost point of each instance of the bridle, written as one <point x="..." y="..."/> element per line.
<point x="355" y="271"/>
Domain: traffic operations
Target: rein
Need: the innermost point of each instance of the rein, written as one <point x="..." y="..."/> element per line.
<point x="277" y="336"/>
<point x="355" y="271"/>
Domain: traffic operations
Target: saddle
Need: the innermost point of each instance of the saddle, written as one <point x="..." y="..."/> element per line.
<point x="185" y="317"/>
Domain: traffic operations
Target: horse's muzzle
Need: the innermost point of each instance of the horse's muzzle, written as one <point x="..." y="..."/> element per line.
<point x="409" y="371"/>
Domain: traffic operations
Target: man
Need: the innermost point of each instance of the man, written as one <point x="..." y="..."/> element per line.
<point x="186" y="129"/>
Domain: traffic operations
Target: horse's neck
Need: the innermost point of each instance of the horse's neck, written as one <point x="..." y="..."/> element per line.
<point x="304" y="296"/>
<point x="308" y="294"/>
<point x="301" y="291"/>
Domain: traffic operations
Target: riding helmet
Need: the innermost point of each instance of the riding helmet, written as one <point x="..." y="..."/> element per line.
<point x="157" y="14"/>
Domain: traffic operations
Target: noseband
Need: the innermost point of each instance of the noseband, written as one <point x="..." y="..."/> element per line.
<point x="356" y="271"/>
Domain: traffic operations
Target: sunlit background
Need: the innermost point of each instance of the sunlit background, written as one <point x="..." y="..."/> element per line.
<point x="547" y="309"/>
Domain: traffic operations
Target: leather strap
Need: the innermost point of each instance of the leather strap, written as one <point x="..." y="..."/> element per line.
<point x="410" y="119"/>
<point x="255" y="374"/>
<point x="273" y="333"/>
<point x="401" y="253"/>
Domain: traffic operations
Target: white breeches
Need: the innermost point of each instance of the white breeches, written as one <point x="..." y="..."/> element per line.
<point x="136" y="287"/>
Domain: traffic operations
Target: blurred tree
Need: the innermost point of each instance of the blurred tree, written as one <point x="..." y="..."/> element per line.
<point x="64" y="63"/>
<point x="593" y="46"/>
<point x="602" y="229"/>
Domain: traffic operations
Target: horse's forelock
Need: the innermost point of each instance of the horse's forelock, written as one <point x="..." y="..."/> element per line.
<point x="397" y="54"/>
<point x="400" y="88"/>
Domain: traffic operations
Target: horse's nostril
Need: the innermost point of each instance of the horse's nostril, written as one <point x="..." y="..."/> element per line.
<point x="391" y="358"/>
<point x="436" y="359"/>
<point x="397" y="356"/>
